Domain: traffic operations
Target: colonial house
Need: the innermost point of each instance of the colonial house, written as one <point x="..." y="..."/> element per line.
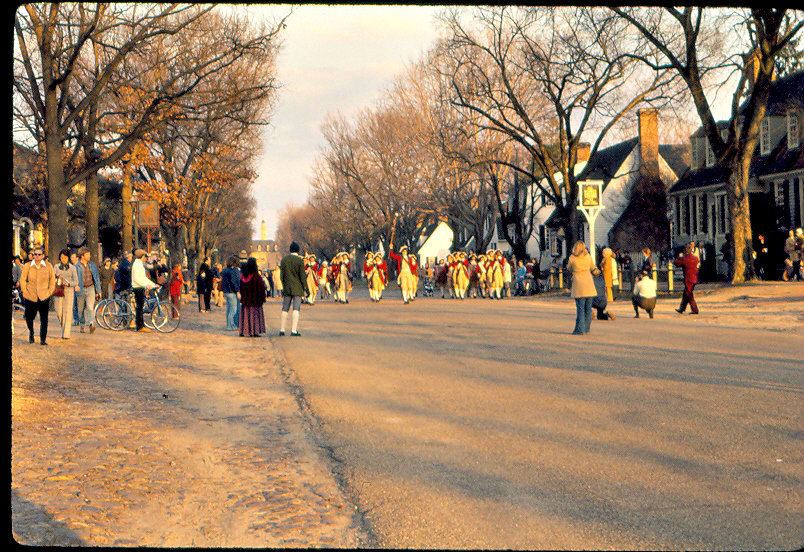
<point x="435" y="243"/>
<point x="697" y="207"/>
<point x="631" y="171"/>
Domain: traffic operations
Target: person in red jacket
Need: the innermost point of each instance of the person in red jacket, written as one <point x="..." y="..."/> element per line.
<point x="689" y="264"/>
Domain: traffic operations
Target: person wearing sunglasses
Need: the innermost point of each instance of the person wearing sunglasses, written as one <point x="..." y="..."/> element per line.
<point x="38" y="281"/>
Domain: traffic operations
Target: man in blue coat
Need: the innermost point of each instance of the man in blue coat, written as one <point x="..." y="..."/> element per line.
<point x="89" y="290"/>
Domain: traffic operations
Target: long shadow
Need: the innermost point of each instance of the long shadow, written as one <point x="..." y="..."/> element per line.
<point x="32" y="525"/>
<point x="682" y="516"/>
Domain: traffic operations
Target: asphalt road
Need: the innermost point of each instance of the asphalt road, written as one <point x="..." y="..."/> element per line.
<point x="485" y="424"/>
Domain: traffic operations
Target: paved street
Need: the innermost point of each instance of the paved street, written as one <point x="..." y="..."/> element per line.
<point x="485" y="424"/>
<point x="446" y="424"/>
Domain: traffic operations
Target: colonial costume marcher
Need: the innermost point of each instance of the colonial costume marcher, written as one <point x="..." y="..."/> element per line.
<point x="323" y="280"/>
<point x="460" y="275"/>
<point x="343" y="284"/>
<point x="311" y="272"/>
<point x="406" y="279"/>
<point x="377" y="276"/>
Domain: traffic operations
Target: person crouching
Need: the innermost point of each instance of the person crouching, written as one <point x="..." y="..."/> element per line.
<point x="644" y="294"/>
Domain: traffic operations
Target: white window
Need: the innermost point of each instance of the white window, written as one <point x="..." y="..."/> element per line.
<point x="695" y="161"/>
<point x="792" y="131"/>
<point x="764" y="137"/>
<point x="547" y="200"/>
<point x="710" y="155"/>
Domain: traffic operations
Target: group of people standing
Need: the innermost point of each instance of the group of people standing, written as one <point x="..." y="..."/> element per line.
<point x="593" y="287"/>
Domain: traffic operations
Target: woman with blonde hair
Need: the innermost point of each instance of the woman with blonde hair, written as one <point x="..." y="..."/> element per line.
<point x="607" y="268"/>
<point x="583" y="286"/>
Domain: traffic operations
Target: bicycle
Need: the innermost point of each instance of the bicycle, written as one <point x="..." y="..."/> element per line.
<point x="120" y="312"/>
<point x="99" y="320"/>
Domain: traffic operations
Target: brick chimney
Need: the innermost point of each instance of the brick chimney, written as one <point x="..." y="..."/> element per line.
<point x="649" y="144"/>
<point x="583" y="151"/>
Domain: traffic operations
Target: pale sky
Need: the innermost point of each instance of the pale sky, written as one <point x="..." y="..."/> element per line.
<point x="334" y="59"/>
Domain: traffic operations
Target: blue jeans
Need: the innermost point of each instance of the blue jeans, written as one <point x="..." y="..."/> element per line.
<point x="232" y="310"/>
<point x="583" y="315"/>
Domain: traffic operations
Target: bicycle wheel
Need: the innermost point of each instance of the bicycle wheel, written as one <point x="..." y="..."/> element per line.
<point x="117" y="315"/>
<point x="165" y="317"/>
<point x="99" y="314"/>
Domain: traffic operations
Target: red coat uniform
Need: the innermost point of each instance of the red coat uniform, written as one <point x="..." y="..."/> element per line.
<point x="383" y="268"/>
<point x="399" y="260"/>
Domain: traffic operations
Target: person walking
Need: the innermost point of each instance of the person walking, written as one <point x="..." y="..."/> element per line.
<point x="77" y="318"/>
<point x="69" y="278"/>
<point x="90" y="289"/>
<point x="294" y="287"/>
<point x="230" y="287"/>
<point x="203" y="286"/>
<point x="644" y="294"/>
<point x="689" y="265"/>
<point x="176" y="285"/>
<point x="140" y="283"/>
<point x="106" y="278"/>
<point x="252" y="296"/>
<point x="583" y="290"/>
<point x="38" y="281"/>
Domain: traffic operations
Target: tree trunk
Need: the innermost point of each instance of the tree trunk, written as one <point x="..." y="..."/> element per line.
<point x="91" y="217"/>
<point x="128" y="218"/>
<point x="742" y="266"/>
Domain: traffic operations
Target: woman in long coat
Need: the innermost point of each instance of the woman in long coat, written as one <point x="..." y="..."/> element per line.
<point x="583" y="286"/>
<point x="607" y="268"/>
<point x="252" y="297"/>
<point x="203" y="286"/>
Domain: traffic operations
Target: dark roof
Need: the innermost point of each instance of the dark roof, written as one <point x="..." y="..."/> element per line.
<point x="721" y="125"/>
<point x="674" y="154"/>
<point x="698" y="178"/>
<point x="603" y="165"/>
<point x="785" y="92"/>
<point x="781" y="160"/>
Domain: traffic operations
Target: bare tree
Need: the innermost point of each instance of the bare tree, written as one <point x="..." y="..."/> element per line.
<point x="545" y="78"/>
<point x="691" y="43"/>
<point x="56" y="41"/>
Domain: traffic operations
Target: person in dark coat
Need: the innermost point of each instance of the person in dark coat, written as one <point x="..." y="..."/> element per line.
<point x="294" y="287"/>
<point x="600" y="302"/>
<point x="122" y="276"/>
<point x="252" y="297"/>
<point x="689" y="265"/>
<point x="203" y="285"/>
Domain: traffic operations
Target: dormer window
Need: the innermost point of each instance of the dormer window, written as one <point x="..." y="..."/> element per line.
<point x="764" y="137"/>
<point x="710" y="155"/>
<point x="792" y="131"/>
<point x="694" y="151"/>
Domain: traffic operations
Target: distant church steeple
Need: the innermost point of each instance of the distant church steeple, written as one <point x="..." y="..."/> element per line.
<point x="263" y="231"/>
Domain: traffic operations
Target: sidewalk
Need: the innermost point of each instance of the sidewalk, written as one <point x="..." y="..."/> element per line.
<point x="190" y="439"/>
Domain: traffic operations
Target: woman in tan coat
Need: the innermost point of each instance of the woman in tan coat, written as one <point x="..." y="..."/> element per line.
<point x="583" y="286"/>
<point x="67" y="276"/>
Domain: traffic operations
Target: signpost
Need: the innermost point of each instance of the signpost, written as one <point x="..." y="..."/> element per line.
<point x="590" y="202"/>
<point x="148" y="217"/>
